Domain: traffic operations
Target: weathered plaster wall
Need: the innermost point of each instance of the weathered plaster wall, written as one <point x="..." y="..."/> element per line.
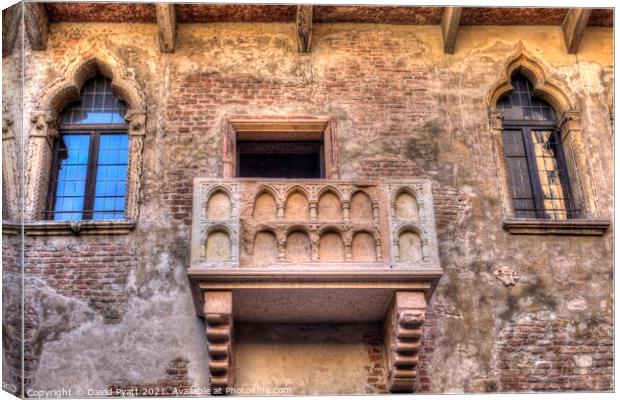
<point x="309" y="358"/>
<point x="402" y="109"/>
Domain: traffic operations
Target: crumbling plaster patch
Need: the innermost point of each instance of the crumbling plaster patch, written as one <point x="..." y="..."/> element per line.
<point x="95" y="354"/>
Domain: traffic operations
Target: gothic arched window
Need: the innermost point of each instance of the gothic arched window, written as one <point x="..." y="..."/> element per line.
<point x="535" y="161"/>
<point x="90" y="157"/>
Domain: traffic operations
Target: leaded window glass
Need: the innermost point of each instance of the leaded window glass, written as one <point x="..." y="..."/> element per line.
<point x="97" y="105"/>
<point x="534" y="158"/>
<point x="90" y="158"/>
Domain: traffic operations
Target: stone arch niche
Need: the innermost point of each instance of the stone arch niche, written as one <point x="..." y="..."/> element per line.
<point x="218" y="246"/>
<point x="265" y="248"/>
<point x="298" y="246"/>
<point x="406" y="206"/>
<point x="219" y="206"/>
<point x="330" y="207"/>
<point x="265" y="207"/>
<point x="364" y="247"/>
<point x="361" y="207"/>
<point x="88" y="60"/>
<point x="297" y="207"/>
<point x="409" y="246"/>
<point x="331" y="246"/>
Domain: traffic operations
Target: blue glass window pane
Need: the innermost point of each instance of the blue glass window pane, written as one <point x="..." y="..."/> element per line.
<point x="71" y="180"/>
<point x="97" y="105"/>
<point x="110" y="186"/>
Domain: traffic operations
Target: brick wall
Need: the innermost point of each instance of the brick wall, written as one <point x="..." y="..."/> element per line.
<point x="376" y="372"/>
<point x="91" y="269"/>
<point x="175" y="383"/>
<point x="197" y="103"/>
<point x="430" y="335"/>
<point x="11" y="250"/>
<point x="544" y="354"/>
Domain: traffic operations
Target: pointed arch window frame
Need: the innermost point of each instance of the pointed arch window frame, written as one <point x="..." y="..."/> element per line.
<point x="571" y="139"/>
<point x="95" y="131"/>
<point x="523" y="129"/>
<point x="43" y="132"/>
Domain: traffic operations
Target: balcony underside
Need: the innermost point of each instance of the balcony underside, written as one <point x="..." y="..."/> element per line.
<point x="284" y="296"/>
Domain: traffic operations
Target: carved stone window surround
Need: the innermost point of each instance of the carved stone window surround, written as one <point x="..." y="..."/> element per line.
<point x="570" y="127"/>
<point x="280" y="128"/>
<point x="88" y="62"/>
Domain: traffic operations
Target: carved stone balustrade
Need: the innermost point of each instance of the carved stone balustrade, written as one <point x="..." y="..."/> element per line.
<point x="316" y="251"/>
<point x="249" y="224"/>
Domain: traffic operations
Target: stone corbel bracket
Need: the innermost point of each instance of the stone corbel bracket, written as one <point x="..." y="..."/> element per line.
<point x="402" y="336"/>
<point x="218" y="213"/>
<point x="218" y="313"/>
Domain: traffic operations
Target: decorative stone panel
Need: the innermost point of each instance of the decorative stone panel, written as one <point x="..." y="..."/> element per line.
<point x="412" y="224"/>
<point x="215" y="231"/>
<point x="313" y="224"/>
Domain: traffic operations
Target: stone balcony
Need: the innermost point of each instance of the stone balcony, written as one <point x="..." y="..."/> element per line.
<point x="314" y="251"/>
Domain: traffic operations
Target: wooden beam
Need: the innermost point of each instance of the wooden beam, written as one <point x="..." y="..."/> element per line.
<point x="573" y="28"/>
<point x="450" y="21"/>
<point x="11" y="21"/>
<point x="167" y="21"/>
<point x="37" y="24"/>
<point x="304" y="28"/>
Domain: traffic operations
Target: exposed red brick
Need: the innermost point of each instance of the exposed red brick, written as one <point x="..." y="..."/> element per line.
<point x="541" y="355"/>
<point x="94" y="271"/>
<point x="173" y="384"/>
<point x="512" y="16"/>
<point x="196" y="13"/>
<point x="379" y="15"/>
<point x="101" y="12"/>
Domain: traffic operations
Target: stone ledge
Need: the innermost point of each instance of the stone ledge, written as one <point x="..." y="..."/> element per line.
<point x="577" y="227"/>
<point x="59" y="228"/>
<point x="11" y="228"/>
<point x="383" y="278"/>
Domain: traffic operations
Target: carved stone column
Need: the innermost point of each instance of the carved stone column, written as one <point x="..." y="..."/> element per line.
<point x="38" y="163"/>
<point x="402" y="333"/>
<point x="313" y="210"/>
<point x="218" y="313"/>
<point x="496" y="120"/>
<point x="379" y="249"/>
<point x="375" y="212"/>
<point x="346" y="210"/>
<point x="10" y="172"/>
<point x="137" y="131"/>
<point x="574" y="148"/>
<point x="280" y="211"/>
